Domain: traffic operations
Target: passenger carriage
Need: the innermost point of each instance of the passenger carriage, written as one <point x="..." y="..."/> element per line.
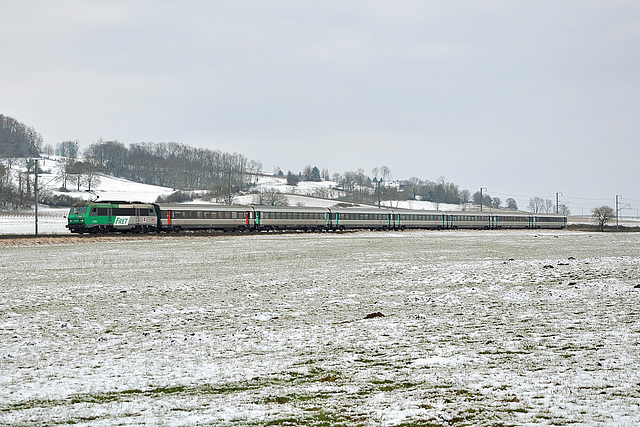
<point x="511" y="220"/>
<point x="290" y="218"/>
<point x="468" y="220"/>
<point x="360" y="218"/>
<point x="540" y="220"/>
<point x="406" y="218"/>
<point x="177" y="217"/>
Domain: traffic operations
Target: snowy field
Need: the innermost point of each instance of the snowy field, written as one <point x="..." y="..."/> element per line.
<point x="479" y="328"/>
<point x="50" y="221"/>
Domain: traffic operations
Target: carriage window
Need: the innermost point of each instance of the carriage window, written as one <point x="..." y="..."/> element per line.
<point x="102" y="211"/>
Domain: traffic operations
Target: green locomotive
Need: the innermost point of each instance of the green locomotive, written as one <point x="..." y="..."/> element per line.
<point x="110" y="216"/>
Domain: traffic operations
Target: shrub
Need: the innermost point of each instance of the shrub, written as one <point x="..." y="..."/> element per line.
<point x="177" y="197"/>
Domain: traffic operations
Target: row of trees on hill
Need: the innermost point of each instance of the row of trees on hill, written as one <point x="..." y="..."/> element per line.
<point x="18" y="140"/>
<point x="360" y="187"/>
<point x="173" y="165"/>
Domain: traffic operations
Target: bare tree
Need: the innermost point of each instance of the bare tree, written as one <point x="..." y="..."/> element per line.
<point x="76" y="174"/>
<point x="548" y="206"/>
<point x="375" y="172"/>
<point x="439" y="195"/>
<point x="465" y="196"/>
<point x="536" y="205"/>
<point x="413" y="186"/>
<point x="602" y="215"/>
<point x="307" y="172"/>
<point x="92" y="177"/>
<point x="564" y="210"/>
<point x="321" y="193"/>
<point x="67" y="149"/>
<point x="385" y="172"/>
<point x="349" y="181"/>
<point x="48" y="150"/>
<point x="271" y="197"/>
<point x="64" y="171"/>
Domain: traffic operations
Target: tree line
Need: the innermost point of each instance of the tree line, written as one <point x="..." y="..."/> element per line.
<point x="18" y="140"/>
<point x="357" y="186"/>
<point x="166" y="164"/>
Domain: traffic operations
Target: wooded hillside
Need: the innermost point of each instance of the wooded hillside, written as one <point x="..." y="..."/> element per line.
<point x="18" y="140"/>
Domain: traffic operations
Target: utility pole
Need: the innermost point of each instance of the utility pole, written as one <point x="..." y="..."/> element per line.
<point x="481" y="199"/>
<point x="558" y="203"/>
<point x="617" y="210"/>
<point x="229" y="186"/>
<point x="36" y="194"/>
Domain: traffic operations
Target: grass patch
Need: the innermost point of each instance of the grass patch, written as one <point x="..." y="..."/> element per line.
<point x="283" y="422"/>
<point x="317" y="418"/>
<point x="421" y="423"/>
<point x="125" y="395"/>
<point x="390" y="386"/>
<point x="279" y="399"/>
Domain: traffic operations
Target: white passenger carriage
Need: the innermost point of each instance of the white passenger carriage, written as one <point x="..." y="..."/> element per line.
<point x="176" y="217"/>
<point x="290" y="218"/>
<point x="540" y="220"/>
<point x="511" y="220"/>
<point x="360" y="218"/>
<point x="468" y="220"/>
<point x="407" y="218"/>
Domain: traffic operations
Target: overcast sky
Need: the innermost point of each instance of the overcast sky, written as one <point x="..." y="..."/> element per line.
<point x="524" y="98"/>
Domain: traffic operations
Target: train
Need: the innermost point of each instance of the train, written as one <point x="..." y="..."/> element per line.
<point x="93" y="217"/>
